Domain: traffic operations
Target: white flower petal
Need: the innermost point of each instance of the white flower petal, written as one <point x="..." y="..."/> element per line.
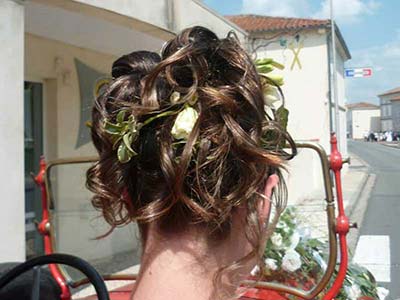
<point x="175" y="97"/>
<point x="271" y="95"/>
<point x="382" y="292"/>
<point x="276" y="240"/>
<point x="291" y="261"/>
<point x="184" y="123"/>
<point x="294" y="240"/>
<point x="353" y="292"/>
<point x="271" y="264"/>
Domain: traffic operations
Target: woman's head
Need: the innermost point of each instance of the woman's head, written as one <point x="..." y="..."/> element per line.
<point x="175" y="181"/>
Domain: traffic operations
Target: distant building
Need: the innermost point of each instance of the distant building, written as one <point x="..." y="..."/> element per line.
<point x="303" y="46"/>
<point x="390" y="110"/>
<point x="362" y="118"/>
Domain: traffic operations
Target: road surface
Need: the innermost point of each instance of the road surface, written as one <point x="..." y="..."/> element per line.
<point x="378" y="247"/>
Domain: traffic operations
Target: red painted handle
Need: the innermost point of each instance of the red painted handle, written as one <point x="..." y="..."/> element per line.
<point x="44" y="230"/>
<point x="342" y="222"/>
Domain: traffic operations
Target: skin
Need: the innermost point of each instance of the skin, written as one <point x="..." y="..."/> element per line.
<point x="182" y="266"/>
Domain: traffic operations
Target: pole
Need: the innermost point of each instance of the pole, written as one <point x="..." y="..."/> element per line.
<point x="334" y="97"/>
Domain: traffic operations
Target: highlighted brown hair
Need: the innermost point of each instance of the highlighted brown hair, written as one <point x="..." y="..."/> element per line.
<point x="228" y="156"/>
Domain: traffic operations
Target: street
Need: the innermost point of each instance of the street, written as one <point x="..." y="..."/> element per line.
<point x="379" y="232"/>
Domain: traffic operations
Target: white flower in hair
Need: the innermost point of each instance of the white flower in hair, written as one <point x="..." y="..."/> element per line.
<point x="291" y="261"/>
<point x="175" y="97"/>
<point x="271" y="95"/>
<point x="184" y="123"/>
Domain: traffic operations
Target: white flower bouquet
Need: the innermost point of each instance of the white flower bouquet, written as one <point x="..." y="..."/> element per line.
<point x="294" y="258"/>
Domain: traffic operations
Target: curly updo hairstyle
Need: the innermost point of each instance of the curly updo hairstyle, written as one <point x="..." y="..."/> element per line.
<point x="227" y="158"/>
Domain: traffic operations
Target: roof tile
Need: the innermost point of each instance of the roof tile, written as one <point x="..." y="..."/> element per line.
<point x="397" y="98"/>
<point x="361" y="105"/>
<point x="257" y="23"/>
<point x="389" y="92"/>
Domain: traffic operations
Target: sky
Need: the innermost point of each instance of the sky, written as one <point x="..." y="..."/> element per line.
<point x="371" y="29"/>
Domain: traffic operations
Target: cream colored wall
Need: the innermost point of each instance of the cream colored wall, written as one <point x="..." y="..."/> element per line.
<point x="151" y="12"/>
<point x="172" y="15"/>
<point x="365" y="121"/>
<point x="48" y="59"/>
<point x="52" y="63"/>
<point x="306" y="96"/>
<point x="191" y="13"/>
<point x="305" y="89"/>
<point x="12" y="212"/>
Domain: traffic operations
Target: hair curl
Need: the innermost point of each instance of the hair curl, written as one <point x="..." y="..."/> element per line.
<point x="223" y="164"/>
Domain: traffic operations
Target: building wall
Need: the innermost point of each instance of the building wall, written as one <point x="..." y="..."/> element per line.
<point x="175" y="14"/>
<point x="47" y="60"/>
<point x="386" y="125"/>
<point x="365" y="121"/>
<point x="145" y="11"/>
<point x="387" y="115"/>
<point x="200" y="14"/>
<point x="12" y="212"/>
<point x="306" y="91"/>
<point x="52" y="63"/>
<point x="396" y="115"/>
<point x="349" y="123"/>
<point x="305" y="88"/>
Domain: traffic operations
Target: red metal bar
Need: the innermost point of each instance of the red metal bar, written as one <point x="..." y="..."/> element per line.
<point x="44" y="229"/>
<point x="342" y="222"/>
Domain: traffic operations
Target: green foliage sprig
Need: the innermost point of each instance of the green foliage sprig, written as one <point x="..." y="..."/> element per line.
<point x="125" y="130"/>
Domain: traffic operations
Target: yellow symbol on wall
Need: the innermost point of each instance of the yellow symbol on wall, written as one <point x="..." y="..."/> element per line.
<point x="296" y="52"/>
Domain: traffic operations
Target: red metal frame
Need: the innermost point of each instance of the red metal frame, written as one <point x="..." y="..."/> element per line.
<point x="342" y="221"/>
<point x="44" y="229"/>
<point x="342" y="227"/>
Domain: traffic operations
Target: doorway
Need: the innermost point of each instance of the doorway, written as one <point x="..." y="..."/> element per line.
<point x="33" y="146"/>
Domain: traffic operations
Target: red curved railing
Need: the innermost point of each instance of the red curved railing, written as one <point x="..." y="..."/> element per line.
<point x="342" y="221"/>
<point x="44" y="229"/>
<point x="342" y="227"/>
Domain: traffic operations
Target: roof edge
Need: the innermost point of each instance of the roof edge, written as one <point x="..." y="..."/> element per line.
<point x="274" y="17"/>
<point x="316" y="26"/>
<point x="342" y="41"/>
<point x="390" y="92"/>
<point x="361" y="105"/>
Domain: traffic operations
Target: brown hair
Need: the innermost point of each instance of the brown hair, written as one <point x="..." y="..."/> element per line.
<point x="224" y="163"/>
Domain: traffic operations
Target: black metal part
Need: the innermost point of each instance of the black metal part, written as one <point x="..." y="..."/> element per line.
<point x="94" y="277"/>
<point x="35" y="295"/>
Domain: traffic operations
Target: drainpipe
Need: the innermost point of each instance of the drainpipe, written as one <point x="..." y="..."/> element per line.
<point x="328" y="43"/>
<point x="170" y="14"/>
<point x="334" y="74"/>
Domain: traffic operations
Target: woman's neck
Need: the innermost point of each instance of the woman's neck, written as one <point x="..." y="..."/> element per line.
<point x="174" y="275"/>
<point x="181" y="268"/>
